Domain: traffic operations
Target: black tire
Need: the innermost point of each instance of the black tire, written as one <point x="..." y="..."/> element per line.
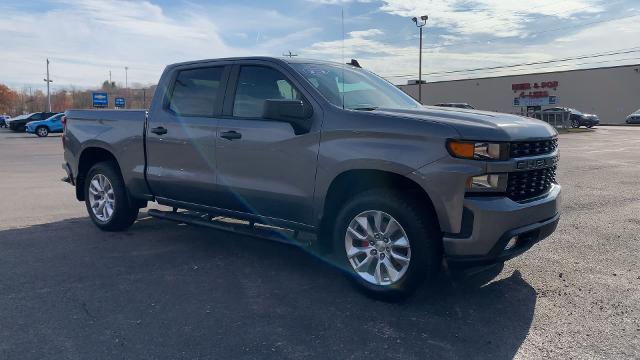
<point x="42" y="131"/>
<point x="124" y="213"/>
<point x="422" y="230"/>
<point x="575" y="124"/>
<point x="589" y="126"/>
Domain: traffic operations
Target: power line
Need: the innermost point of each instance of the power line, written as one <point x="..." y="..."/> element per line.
<point x="565" y="65"/>
<point x="554" y="67"/>
<point x="579" y="57"/>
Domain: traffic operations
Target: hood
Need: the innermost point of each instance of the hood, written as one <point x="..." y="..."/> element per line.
<point x="19" y="117"/>
<point x="480" y="125"/>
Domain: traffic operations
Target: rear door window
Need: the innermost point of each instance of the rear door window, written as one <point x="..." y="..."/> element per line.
<point x="196" y="91"/>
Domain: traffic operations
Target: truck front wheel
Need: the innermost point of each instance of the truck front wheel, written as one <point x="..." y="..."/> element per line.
<point x="106" y="198"/>
<point x="388" y="244"/>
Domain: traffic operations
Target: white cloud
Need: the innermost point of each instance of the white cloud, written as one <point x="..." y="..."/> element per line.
<point x="85" y="39"/>
<point x="500" y="18"/>
<point x="388" y="59"/>
<point x="337" y="2"/>
<point x="366" y="33"/>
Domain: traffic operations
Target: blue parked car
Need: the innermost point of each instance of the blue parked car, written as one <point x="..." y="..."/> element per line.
<point x="42" y="128"/>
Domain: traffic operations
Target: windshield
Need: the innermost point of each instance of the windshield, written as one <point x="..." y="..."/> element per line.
<point x="54" y="117"/>
<point x="352" y="88"/>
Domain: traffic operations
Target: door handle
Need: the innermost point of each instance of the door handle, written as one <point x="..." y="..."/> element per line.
<point x="231" y="135"/>
<point x="160" y="130"/>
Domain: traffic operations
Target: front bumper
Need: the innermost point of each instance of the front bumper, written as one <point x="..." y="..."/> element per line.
<point x="16" y="126"/>
<point x="490" y="223"/>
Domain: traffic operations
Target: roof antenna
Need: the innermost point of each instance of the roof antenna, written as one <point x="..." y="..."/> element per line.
<point x="342" y="18"/>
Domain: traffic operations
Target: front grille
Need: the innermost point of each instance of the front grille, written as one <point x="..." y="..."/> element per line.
<point x="528" y="184"/>
<point x="533" y="148"/>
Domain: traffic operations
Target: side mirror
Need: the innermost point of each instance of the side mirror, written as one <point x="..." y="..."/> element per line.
<point x="294" y="112"/>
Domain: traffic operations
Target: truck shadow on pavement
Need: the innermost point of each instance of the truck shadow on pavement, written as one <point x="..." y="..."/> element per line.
<point x="164" y="290"/>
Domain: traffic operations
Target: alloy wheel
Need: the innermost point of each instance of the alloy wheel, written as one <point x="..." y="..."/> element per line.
<point x="101" y="197"/>
<point x="377" y="247"/>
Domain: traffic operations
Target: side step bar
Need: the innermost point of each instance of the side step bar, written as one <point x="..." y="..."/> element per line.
<point x="241" y="227"/>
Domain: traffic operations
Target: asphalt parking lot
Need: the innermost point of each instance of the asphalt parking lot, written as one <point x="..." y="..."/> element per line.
<point x="164" y="290"/>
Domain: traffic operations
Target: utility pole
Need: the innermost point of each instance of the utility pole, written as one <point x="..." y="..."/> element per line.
<point x="290" y="54"/>
<point x="420" y="25"/>
<point x="110" y="78"/>
<point x="48" y="81"/>
<point x="126" y="83"/>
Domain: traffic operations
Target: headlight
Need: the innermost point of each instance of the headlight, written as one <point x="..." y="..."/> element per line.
<point x="487" y="183"/>
<point x="478" y="150"/>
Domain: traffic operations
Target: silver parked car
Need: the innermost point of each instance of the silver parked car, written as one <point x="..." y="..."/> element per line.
<point x="633" y="118"/>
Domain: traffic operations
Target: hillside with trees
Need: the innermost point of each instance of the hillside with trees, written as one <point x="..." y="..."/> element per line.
<point x="26" y="100"/>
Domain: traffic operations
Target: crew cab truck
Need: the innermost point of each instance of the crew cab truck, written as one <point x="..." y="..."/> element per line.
<point x="389" y="188"/>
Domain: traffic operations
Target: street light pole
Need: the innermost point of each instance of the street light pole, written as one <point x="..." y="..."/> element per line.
<point x="48" y="81"/>
<point x="423" y="21"/>
<point x="420" y="70"/>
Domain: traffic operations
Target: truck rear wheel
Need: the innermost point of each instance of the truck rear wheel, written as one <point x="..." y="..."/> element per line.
<point x="388" y="244"/>
<point x="107" y="199"/>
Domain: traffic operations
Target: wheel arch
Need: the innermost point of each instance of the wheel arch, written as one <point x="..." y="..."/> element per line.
<point x="89" y="157"/>
<point x="352" y="182"/>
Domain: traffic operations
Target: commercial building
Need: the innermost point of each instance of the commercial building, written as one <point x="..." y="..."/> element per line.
<point x="609" y="92"/>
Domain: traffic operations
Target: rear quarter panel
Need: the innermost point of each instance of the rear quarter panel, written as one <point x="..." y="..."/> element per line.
<point x="118" y="131"/>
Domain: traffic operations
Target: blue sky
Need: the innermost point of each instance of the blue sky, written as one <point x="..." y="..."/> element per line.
<point x="86" y="38"/>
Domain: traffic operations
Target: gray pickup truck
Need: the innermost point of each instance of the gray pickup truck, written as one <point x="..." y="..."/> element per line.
<point x="352" y="167"/>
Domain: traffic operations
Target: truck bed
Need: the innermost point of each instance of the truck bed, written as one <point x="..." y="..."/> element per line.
<point x="119" y="131"/>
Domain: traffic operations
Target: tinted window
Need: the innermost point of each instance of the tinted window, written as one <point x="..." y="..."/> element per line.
<point x="196" y="91"/>
<point x="257" y="84"/>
